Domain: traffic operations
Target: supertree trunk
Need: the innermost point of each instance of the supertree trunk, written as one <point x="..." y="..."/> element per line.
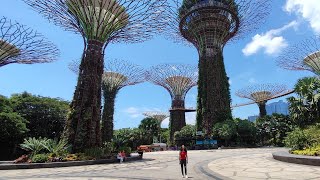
<point x="214" y="94"/>
<point x="177" y="117"/>
<point x="262" y="109"/>
<point x="107" y="115"/>
<point x="82" y="128"/>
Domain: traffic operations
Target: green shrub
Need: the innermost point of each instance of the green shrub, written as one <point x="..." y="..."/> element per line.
<point x="34" y="145"/>
<point x="39" y="158"/>
<point x="56" y="147"/>
<point x="95" y="152"/>
<point x="108" y="148"/>
<point x="297" y="140"/>
<point x="302" y="139"/>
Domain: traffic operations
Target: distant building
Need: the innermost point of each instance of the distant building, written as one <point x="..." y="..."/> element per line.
<point x="279" y="107"/>
<point x="253" y="118"/>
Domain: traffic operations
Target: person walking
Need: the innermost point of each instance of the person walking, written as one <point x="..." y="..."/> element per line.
<point x="183" y="158"/>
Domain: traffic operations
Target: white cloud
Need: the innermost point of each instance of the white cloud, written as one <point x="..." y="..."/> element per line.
<point x="271" y="42"/>
<point x="134" y="112"/>
<point x="252" y="80"/>
<point x="307" y="9"/>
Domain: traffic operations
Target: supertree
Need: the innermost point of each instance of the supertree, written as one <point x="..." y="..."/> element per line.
<point x="302" y="56"/>
<point x="22" y="45"/>
<point x="209" y="25"/>
<point x="117" y="74"/>
<point x="261" y="93"/>
<point x="100" y="22"/>
<point x="159" y="116"/>
<point x="177" y="79"/>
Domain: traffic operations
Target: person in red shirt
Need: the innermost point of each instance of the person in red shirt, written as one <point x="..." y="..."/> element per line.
<point x="183" y="158"/>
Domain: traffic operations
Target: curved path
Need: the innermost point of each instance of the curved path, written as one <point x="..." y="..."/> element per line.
<point x="206" y="164"/>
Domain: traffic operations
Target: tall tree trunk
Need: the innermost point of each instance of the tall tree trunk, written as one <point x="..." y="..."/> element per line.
<point x="262" y="109"/>
<point x="107" y="115"/>
<point x="214" y="96"/>
<point x="82" y="129"/>
<point x="177" y="117"/>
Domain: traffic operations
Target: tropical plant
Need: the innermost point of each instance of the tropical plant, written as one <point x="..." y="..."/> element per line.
<point x="273" y="129"/>
<point x="297" y="140"/>
<point x="151" y="127"/>
<point x="246" y="132"/>
<point x="33" y="145"/>
<point x="39" y="158"/>
<point x="304" y="109"/>
<point x="56" y="147"/>
<point x="225" y="130"/>
<point x="185" y="136"/>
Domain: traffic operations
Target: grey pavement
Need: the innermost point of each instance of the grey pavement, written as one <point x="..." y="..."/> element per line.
<point x="206" y="164"/>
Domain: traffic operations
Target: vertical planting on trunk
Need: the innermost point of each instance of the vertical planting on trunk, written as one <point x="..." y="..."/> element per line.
<point x="82" y="128"/>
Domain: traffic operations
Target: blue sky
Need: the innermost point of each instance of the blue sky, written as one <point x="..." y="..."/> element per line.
<point x="248" y="61"/>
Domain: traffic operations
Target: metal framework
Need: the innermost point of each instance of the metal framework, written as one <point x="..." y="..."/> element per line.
<point x="120" y="73"/>
<point x="177" y="79"/>
<point x="285" y="93"/>
<point x="231" y="18"/>
<point x="160" y="116"/>
<point x="112" y="21"/>
<point x="209" y="25"/>
<point x="100" y="22"/>
<point x="261" y="93"/>
<point x="302" y="56"/>
<point x="22" y="45"/>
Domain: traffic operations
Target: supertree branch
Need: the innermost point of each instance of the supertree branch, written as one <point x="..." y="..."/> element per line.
<point x="160" y="116"/>
<point x="120" y="73"/>
<point x="261" y="93"/>
<point x="117" y="73"/>
<point x="245" y="16"/>
<point x="105" y="20"/>
<point x="22" y="45"/>
<point x="302" y="56"/>
<point x="177" y="79"/>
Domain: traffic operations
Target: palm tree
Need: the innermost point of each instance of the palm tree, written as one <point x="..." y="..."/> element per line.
<point x="305" y="109"/>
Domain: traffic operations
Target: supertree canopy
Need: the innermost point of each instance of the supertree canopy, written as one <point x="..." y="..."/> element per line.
<point x="261" y="93"/>
<point x="22" y="45"/>
<point x="99" y="22"/>
<point x="209" y="25"/>
<point x="177" y="79"/>
<point x="117" y="74"/>
<point x="302" y="56"/>
<point x="159" y="116"/>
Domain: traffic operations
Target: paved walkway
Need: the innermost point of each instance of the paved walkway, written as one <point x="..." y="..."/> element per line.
<point x="261" y="166"/>
<point x="207" y="164"/>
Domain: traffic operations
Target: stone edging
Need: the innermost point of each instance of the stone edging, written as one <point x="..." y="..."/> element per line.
<point x="297" y="159"/>
<point x="64" y="164"/>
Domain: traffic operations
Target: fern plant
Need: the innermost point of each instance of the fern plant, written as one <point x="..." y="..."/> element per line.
<point x="34" y="145"/>
<point x="56" y="147"/>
